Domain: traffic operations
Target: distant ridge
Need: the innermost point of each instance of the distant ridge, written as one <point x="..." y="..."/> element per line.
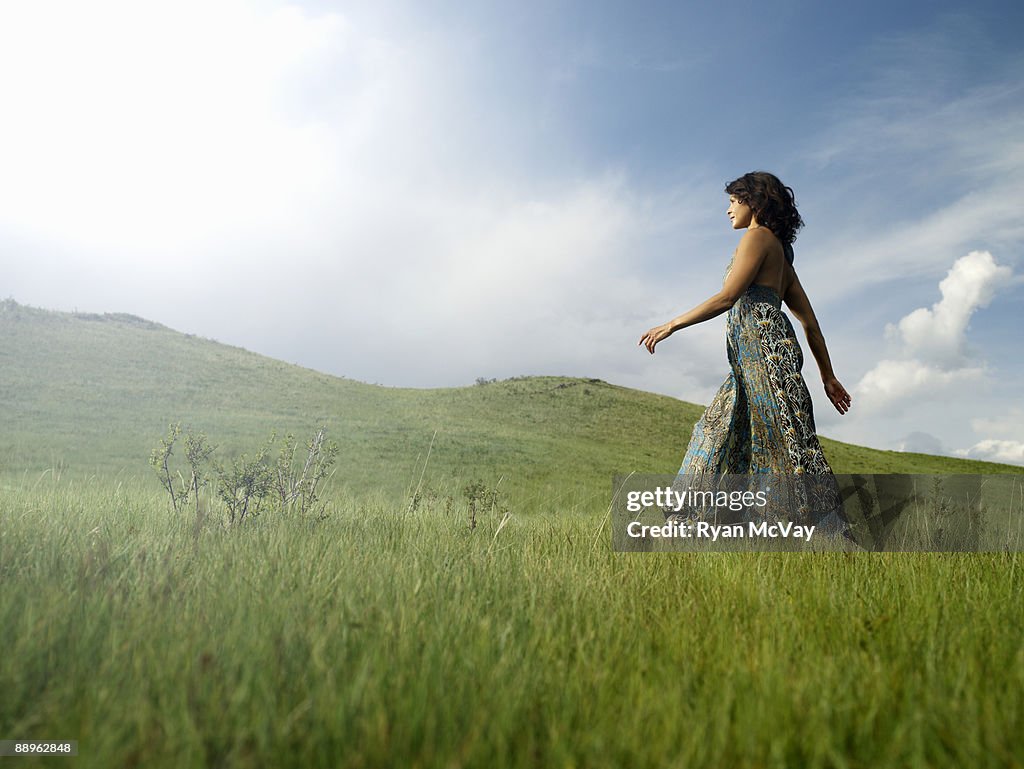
<point x="93" y="393"/>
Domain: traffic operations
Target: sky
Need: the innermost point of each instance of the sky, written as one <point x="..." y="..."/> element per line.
<point x="420" y="195"/>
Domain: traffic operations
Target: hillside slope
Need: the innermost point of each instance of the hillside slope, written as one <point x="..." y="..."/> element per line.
<point x="93" y="394"/>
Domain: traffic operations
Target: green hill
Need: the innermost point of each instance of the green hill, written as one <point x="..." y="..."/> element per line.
<point x="87" y="394"/>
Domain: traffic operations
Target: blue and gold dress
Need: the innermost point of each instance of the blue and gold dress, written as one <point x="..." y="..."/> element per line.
<point x="761" y="421"/>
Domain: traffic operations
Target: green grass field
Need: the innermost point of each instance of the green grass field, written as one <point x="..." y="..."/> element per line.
<point x="391" y="634"/>
<point x="379" y="637"/>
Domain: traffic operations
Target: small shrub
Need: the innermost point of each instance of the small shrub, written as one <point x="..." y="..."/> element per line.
<point x="244" y="485"/>
<point x="248" y="486"/>
<point x="481" y="499"/>
<point x="160" y="460"/>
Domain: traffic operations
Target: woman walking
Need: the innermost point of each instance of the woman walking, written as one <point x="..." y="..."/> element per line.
<point x="761" y="420"/>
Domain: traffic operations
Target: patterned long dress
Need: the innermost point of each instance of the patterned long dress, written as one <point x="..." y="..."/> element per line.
<point x="760" y="424"/>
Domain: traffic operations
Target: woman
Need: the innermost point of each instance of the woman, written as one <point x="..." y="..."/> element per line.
<point x="761" y="420"/>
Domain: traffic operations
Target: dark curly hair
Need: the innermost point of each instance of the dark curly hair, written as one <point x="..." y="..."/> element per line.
<point x="773" y="203"/>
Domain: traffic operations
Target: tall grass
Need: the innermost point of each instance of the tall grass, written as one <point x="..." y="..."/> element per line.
<point x="393" y="636"/>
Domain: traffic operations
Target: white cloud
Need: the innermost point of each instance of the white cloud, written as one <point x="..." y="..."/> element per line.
<point x="992" y="450"/>
<point x="509" y="284"/>
<point x="1001" y="438"/>
<point x="1007" y="425"/>
<point x="892" y="382"/>
<point x="933" y="360"/>
<point x="938" y="334"/>
<point x="920" y="442"/>
<point x="141" y="127"/>
<point x="327" y="192"/>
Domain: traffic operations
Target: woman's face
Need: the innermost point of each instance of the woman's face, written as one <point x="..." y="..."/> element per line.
<point x="740" y="213"/>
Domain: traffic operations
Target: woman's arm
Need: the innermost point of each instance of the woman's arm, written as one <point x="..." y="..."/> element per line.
<point x="750" y="254"/>
<point x="797" y="301"/>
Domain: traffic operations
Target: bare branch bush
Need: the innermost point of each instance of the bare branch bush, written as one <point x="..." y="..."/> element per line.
<point x="246" y="486"/>
<point x="482" y="499"/>
<point x="197" y="453"/>
<point x="300" y="490"/>
<point x="160" y="460"/>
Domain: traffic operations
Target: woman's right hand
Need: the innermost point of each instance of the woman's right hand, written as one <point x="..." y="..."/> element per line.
<point x="837" y="394"/>
<point x="655" y="335"/>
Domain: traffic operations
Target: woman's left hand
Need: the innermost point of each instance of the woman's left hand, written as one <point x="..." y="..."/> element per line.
<point x="654" y="336"/>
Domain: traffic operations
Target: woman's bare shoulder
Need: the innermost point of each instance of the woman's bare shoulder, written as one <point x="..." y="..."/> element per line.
<point x="759" y="235"/>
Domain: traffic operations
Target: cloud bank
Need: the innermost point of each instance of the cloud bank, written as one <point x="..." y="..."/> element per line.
<point x="933" y="360"/>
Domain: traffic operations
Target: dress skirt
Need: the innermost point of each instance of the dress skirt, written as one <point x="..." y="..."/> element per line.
<point x="761" y="422"/>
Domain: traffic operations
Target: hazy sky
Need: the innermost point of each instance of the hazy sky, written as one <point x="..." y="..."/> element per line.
<point x="420" y="194"/>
